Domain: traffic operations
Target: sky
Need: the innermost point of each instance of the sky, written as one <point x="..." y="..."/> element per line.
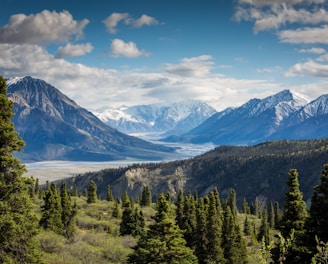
<point x="131" y="52"/>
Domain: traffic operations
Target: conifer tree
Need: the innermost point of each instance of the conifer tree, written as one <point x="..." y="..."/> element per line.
<point x="18" y="223"/>
<point x="264" y="232"/>
<point x="277" y="214"/>
<point x="214" y="230"/>
<point x="109" y="194"/>
<point x="233" y="243"/>
<point x="232" y="202"/>
<point x="201" y="241"/>
<point x="92" y="192"/>
<point x="317" y="222"/>
<point x="116" y="211"/>
<point x="68" y="211"/>
<point x="179" y="209"/>
<point x="271" y="215"/>
<point x="189" y="220"/>
<point x="245" y="206"/>
<point x="163" y="242"/>
<point x="145" y="196"/>
<point x="52" y="211"/>
<point x="128" y="223"/>
<point x="247" y="226"/>
<point x="293" y="221"/>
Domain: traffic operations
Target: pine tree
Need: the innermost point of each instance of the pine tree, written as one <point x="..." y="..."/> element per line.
<point x="245" y="206"/>
<point x="163" y="242"/>
<point x="317" y="222"/>
<point x="179" y="209"/>
<point x="264" y="232"/>
<point x="109" y="194"/>
<point x="69" y="211"/>
<point x="116" y="211"/>
<point x="92" y="192"/>
<point x="293" y="220"/>
<point x="145" y="196"/>
<point x="201" y="241"/>
<point x="128" y="223"/>
<point x="52" y="211"/>
<point x="247" y="227"/>
<point x="214" y="230"/>
<point x="189" y="220"/>
<point x="271" y="215"/>
<point x="233" y="243"/>
<point x="18" y="223"/>
<point x="232" y="202"/>
<point x="277" y="215"/>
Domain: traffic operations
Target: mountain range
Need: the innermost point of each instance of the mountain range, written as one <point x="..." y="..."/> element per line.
<point x="169" y="119"/>
<point x="54" y="127"/>
<point x="285" y="115"/>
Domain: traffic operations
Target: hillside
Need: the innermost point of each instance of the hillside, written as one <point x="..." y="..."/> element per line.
<point x="54" y="127"/>
<point x="256" y="171"/>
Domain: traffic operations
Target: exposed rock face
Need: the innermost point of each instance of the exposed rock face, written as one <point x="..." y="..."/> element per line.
<point x="55" y="127"/>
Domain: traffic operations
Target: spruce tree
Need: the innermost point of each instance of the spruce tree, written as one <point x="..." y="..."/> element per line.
<point x="69" y="211"/>
<point x="109" y="194"/>
<point x="317" y="222"/>
<point x="264" y="232"/>
<point x="233" y="243"/>
<point x="18" y="223"/>
<point x="201" y="241"/>
<point x="163" y="243"/>
<point x="128" y="223"/>
<point x="145" y="196"/>
<point x="52" y="211"/>
<point x="293" y="221"/>
<point x="92" y="192"/>
<point x="214" y="230"/>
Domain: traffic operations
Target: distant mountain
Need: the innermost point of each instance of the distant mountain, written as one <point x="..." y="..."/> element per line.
<point x="174" y="118"/>
<point x="55" y="127"/>
<point x="286" y="114"/>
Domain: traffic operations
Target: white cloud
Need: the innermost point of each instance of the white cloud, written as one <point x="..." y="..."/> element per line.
<point x="309" y="68"/>
<point x="126" y="49"/>
<point x="144" y="20"/>
<point x="73" y="50"/>
<point x="323" y="57"/>
<point x="269" y="70"/>
<point x="305" y="35"/>
<point x="312" y="50"/>
<point x="112" y="21"/>
<point x="93" y="87"/>
<point x="42" y="28"/>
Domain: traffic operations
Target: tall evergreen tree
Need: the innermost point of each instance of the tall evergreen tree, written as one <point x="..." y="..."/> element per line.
<point x="109" y="194"/>
<point x="233" y="243"/>
<point x="317" y="222"/>
<point x="271" y="215"/>
<point x="92" y="192"/>
<point x="179" y="209"/>
<point x="68" y="211"/>
<point x="189" y="220"/>
<point x="52" y="211"/>
<point x="145" y="196"/>
<point x="232" y="202"/>
<point x="128" y="223"/>
<point x="293" y="221"/>
<point x="18" y="223"/>
<point x="264" y="232"/>
<point x="214" y="230"/>
<point x="201" y="241"/>
<point x="163" y="242"/>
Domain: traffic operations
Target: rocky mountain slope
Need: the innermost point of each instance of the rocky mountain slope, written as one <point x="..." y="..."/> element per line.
<point x="285" y="115"/>
<point x="171" y="118"/>
<point x="55" y="127"/>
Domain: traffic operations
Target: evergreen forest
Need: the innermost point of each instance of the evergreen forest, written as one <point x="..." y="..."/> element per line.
<point x="55" y="223"/>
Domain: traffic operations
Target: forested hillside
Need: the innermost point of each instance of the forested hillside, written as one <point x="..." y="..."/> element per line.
<point x="257" y="171"/>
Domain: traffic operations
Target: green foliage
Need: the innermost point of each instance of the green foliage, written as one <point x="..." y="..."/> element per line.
<point x="145" y="196"/>
<point x="109" y="196"/>
<point x="163" y="242"/>
<point x="317" y="222"/>
<point x="18" y="223"/>
<point x="92" y="192"/>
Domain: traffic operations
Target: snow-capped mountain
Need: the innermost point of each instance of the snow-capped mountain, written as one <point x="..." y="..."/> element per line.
<point x="174" y="118"/>
<point x="255" y="121"/>
<point x="55" y="127"/>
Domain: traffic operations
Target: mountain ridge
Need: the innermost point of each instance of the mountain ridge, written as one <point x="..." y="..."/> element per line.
<point x="55" y="127"/>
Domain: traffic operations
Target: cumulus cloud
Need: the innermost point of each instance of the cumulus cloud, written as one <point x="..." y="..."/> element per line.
<point x="305" y="35"/>
<point x="93" y="88"/>
<point x="191" y="67"/>
<point x="112" y="21"/>
<point x="42" y="28"/>
<point x="309" y="68"/>
<point x="275" y="14"/>
<point x="126" y="49"/>
<point x="71" y="50"/>
<point x="144" y="20"/>
<point x="269" y="70"/>
<point x="312" y="50"/>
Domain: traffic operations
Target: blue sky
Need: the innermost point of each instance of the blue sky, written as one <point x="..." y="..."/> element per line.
<point x="128" y="52"/>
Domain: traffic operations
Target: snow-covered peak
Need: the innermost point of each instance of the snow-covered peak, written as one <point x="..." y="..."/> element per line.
<point x="14" y="80"/>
